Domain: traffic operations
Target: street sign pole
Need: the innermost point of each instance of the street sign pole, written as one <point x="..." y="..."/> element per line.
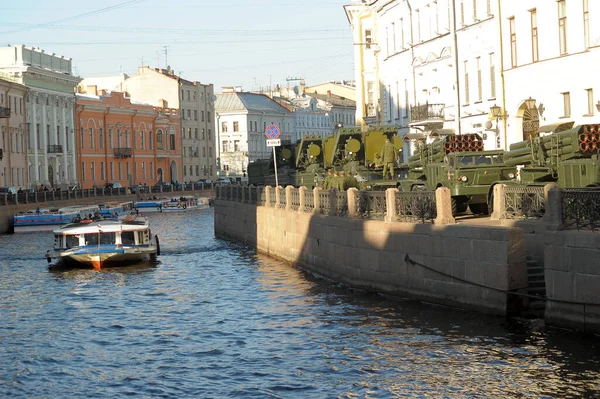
<point x="272" y="132"/>
<point x="275" y="163"/>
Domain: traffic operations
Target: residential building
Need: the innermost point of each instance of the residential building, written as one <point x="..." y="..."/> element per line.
<point x="195" y="102"/>
<point x="13" y="119"/>
<point x="120" y="141"/>
<point x="49" y="111"/>
<point x="241" y="121"/>
<point x="481" y="66"/>
<point x="343" y="89"/>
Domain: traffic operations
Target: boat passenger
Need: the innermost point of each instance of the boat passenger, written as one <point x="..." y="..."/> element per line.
<point x="77" y="219"/>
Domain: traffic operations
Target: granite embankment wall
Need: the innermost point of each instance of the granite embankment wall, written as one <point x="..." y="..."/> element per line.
<point x="7" y="211"/>
<point x="475" y="267"/>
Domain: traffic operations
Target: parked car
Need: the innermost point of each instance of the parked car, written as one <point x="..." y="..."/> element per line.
<point x="7" y="190"/>
<point x="204" y="181"/>
<point x="222" y="181"/>
<point x="113" y="185"/>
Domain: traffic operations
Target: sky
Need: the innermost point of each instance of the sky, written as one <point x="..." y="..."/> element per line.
<point x="247" y="43"/>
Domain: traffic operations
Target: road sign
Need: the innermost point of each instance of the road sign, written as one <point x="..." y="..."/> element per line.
<point x="273" y="143"/>
<point x="272" y="131"/>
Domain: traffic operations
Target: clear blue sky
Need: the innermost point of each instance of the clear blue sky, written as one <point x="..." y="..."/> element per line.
<point x="247" y="43"/>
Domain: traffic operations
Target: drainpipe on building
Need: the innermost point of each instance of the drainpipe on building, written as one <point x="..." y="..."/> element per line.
<point x="77" y="153"/>
<point x="134" y="177"/>
<point x="456" y="77"/>
<point x="106" y="147"/>
<point x="502" y="85"/>
<point x="218" y="165"/>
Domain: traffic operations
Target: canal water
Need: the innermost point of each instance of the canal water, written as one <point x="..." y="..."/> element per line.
<point x="213" y="319"/>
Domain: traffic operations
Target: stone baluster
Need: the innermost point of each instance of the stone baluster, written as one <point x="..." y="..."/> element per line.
<point x="554" y="212"/>
<point x="288" y="197"/>
<point x="443" y="201"/>
<point x="499" y="202"/>
<point x="278" y="196"/>
<point x="391" y="214"/>
<point x="301" y="195"/>
<point x="332" y="202"/>
<point x="317" y="199"/>
<point x="268" y="196"/>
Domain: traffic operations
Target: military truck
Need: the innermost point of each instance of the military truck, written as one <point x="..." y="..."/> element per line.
<point x="261" y="172"/>
<point x="459" y="163"/>
<point x="309" y="162"/>
<point x="569" y="158"/>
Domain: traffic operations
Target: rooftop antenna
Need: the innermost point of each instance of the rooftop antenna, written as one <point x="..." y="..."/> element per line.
<point x="290" y="79"/>
<point x="166" y="51"/>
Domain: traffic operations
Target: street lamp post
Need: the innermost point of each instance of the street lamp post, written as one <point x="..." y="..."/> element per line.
<point x="496" y="112"/>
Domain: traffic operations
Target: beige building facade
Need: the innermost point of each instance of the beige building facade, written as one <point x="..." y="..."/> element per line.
<point x="49" y="110"/>
<point x="13" y="123"/>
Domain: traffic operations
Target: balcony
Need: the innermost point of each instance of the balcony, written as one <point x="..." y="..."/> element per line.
<point x="426" y="114"/>
<point x="55" y="149"/>
<point x="123" y="152"/>
<point x="4" y="112"/>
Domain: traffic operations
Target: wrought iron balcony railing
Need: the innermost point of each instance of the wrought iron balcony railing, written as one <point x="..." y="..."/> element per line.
<point x="55" y="149"/>
<point x="426" y="112"/>
<point x="123" y="152"/>
<point x="4" y="112"/>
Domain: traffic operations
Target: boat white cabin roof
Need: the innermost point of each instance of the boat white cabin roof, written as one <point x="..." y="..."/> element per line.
<point x="104" y="226"/>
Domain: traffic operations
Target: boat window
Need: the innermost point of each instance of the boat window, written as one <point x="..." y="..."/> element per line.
<point x="107" y="238"/>
<point x="58" y="241"/>
<point x="72" y="241"/>
<point x="91" y="239"/>
<point x="127" y="238"/>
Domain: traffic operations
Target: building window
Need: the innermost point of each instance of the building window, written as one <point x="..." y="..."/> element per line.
<point x="566" y="104"/>
<point x="209" y="134"/>
<point x="466" y="78"/>
<point x="83" y="171"/>
<point x="202" y="114"/>
<point x="462" y="12"/>
<point x="534" y="36"/>
<point x="93" y="171"/>
<point x="236" y="126"/>
<point x="492" y="75"/>
<point x="110" y="138"/>
<point x="102" y="173"/>
<point x="81" y="137"/>
<point x="586" y="24"/>
<point x="112" y="171"/>
<point x="91" y="138"/>
<point x="475" y="10"/>
<point x="368" y="38"/>
<point x="590" y="101"/>
<point x="159" y="138"/>
<point x="196" y="133"/>
<point x="150" y="140"/>
<point x="120" y="171"/>
<point x="224" y="127"/>
<point x="562" y="26"/>
<point x="195" y="114"/>
<point x="142" y="140"/>
<point x="406" y="110"/>
<point x="208" y="117"/>
<point x="143" y="170"/>
<point x="402" y="41"/>
<point x="513" y="42"/>
<point x="189" y="114"/>
<point x="189" y="133"/>
<point x="418" y="26"/>
<point x="101" y="138"/>
<point x="172" y="142"/>
<point x="236" y="145"/>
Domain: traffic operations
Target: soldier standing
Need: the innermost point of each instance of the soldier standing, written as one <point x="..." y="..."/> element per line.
<point x="328" y="179"/>
<point x="389" y="159"/>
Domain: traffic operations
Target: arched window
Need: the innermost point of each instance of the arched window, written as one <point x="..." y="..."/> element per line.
<point x="159" y="139"/>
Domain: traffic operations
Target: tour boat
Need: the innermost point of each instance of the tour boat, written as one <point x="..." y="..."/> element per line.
<point x="185" y="203"/>
<point x="47" y="219"/>
<point x="104" y="243"/>
<point x="150" y="205"/>
<point x="112" y="209"/>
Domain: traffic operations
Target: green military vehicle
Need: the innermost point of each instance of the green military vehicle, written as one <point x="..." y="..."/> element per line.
<point x="262" y="171"/>
<point x="569" y="158"/>
<point x="460" y="164"/>
<point x="309" y="162"/>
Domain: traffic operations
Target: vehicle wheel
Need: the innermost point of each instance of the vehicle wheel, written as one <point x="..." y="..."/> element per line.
<point x="490" y="207"/>
<point x="418" y="187"/>
<point x="458" y="206"/>
<point x="477" y="209"/>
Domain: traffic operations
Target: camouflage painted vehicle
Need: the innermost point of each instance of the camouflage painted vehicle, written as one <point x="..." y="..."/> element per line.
<point x="309" y="162"/>
<point x="568" y="158"/>
<point x="262" y="172"/>
<point x="460" y="164"/>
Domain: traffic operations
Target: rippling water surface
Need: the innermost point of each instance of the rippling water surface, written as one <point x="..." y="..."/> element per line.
<point x="215" y="320"/>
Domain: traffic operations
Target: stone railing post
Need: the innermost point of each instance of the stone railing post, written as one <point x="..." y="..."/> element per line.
<point x="244" y="196"/>
<point x="547" y="189"/>
<point x="391" y="214"/>
<point x="301" y="195"/>
<point x="332" y="202"/>
<point x="288" y="198"/>
<point x="278" y="196"/>
<point x="554" y="212"/>
<point x="443" y="202"/>
<point x="317" y="199"/>
<point x="352" y="195"/>
<point x="499" y="205"/>
<point x="267" y="196"/>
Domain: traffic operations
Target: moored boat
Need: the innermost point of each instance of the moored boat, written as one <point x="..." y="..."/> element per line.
<point x="47" y="219"/>
<point x="104" y="243"/>
<point x="112" y="209"/>
<point x="150" y="204"/>
<point x="185" y="203"/>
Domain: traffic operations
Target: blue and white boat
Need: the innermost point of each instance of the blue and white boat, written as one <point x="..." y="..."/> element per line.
<point x="47" y="219"/>
<point x="104" y="243"/>
<point x="150" y="205"/>
<point x="185" y="203"/>
<point x="115" y="209"/>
